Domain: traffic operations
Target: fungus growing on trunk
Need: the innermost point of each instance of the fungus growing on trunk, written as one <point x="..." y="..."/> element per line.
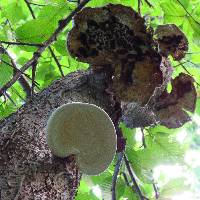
<point x="115" y="36"/>
<point x="83" y="130"/>
<point x="172" y="41"/>
<point x="171" y="107"/>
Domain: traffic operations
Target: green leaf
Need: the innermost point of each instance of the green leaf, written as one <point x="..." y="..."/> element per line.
<point x="6" y="109"/>
<point x="84" y="191"/>
<point x="162" y="148"/>
<point x="173" y="12"/>
<point x="173" y="187"/>
<point x="36" y="30"/>
<point x="15" y="11"/>
<point x="97" y="3"/>
<point x="60" y="47"/>
<point x="129" y="135"/>
<point x="196" y="29"/>
<point x="45" y="74"/>
<point x="55" y="12"/>
<point x="56" y="1"/>
<point x="120" y="187"/>
<point x="104" y="180"/>
<point x="86" y="196"/>
<point x="130" y="194"/>
<point x="3" y="33"/>
<point x="6" y="71"/>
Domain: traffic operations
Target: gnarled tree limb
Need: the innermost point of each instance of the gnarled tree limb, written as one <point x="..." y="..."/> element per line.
<point x="27" y="168"/>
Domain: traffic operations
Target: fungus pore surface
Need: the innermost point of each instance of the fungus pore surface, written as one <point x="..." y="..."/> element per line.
<point x="83" y="130"/>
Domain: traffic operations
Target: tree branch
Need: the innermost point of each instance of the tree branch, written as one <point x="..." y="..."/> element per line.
<point x="62" y="24"/>
<point x="57" y="62"/>
<point x="188" y="12"/>
<point x="137" y="188"/>
<point x="30" y="9"/>
<point x="18" y="94"/>
<point x="116" y="172"/>
<point x="21" y="43"/>
<point x="50" y="49"/>
<point x="156" y="190"/>
<point x="143" y="138"/>
<point x="139" y="5"/>
<point x="11" y="100"/>
<point x="125" y="178"/>
<point x="23" y="82"/>
<point x="23" y="148"/>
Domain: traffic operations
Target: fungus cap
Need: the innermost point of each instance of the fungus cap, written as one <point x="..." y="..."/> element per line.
<point x="84" y="130"/>
<point x="115" y="38"/>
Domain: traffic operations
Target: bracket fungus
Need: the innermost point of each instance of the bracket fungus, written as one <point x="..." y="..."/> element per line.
<point x="172" y="41"/>
<point x="115" y="37"/>
<point x="83" y="130"/>
<point x="171" y="107"/>
<point x="135" y="116"/>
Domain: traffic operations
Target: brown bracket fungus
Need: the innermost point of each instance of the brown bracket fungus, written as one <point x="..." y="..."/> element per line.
<point x="115" y="37"/>
<point x="171" y="107"/>
<point x="172" y="41"/>
<point x="135" y="116"/>
<point x="83" y="130"/>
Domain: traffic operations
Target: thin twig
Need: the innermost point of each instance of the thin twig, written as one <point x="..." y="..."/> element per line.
<point x="21" y="43"/>
<point x="139" y="6"/>
<point x="155" y="190"/>
<point x="36" y="4"/>
<point x="187" y="71"/>
<point x="25" y="85"/>
<point x="116" y="172"/>
<point x="188" y="12"/>
<point x="33" y="78"/>
<point x="57" y="62"/>
<point x="143" y="138"/>
<point x="23" y="82"/>
<point x="9" y="97"/>
<point x="125" y="178"/>
<point x="34" y="65"/>
<point x="179" y="64"/>
<point x="62" y="24"/>
<point x="17" y="93"/>
<point x="30" y="9"/>
<point x="140" y="3"/>
<point x="50" y="49"/>
<point x="148" y="3"/>
<point x="137" y="188"/>
<point x="26" y="75"/>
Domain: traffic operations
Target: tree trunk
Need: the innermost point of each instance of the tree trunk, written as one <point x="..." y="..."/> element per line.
<point x="28" y="170"/>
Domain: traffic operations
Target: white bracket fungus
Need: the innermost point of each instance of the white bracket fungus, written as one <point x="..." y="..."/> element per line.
<point x="86" y="131"/>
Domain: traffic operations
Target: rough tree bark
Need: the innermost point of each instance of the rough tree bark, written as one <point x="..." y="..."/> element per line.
<point x="28" y="170"/>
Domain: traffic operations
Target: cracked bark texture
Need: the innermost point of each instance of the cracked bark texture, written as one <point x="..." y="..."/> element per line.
<point x="28" y="170"/>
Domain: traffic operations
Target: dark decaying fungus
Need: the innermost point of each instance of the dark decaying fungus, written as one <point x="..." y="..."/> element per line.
<point x="135" y="116"/>
<point x="83" y="130"/>
<point x="171" y="107"/>
<point x="138" y="81"/>
<point x="102" y="35"/>
<point x="115" y="36"/>
<point x="172" y="41"/>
